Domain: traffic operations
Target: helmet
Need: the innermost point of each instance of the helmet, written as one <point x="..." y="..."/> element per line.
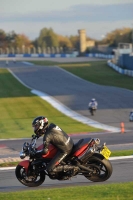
<point x="93" y="99"/>
<point x="39" y="125"/>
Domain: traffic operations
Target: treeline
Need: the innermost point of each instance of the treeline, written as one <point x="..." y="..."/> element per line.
<point x="48" y="38"/>
<point x="118" y="36"/>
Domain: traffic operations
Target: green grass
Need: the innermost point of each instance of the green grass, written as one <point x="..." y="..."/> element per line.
<point x="97" y="72"/>
<point x="9" y="164"/>
<point x="117" y="191"/>
<point x="100" y="73"/>
<point x="44" y="62"/>
<point x="122" y="153"/>
<point x="18" y="107"/>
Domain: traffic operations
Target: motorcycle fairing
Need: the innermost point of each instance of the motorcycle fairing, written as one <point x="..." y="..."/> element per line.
<point x="51" y="153"/>
<point x="25" y="164"/>
<point x="81" y="146"/>
<point x="80" y="151"/>
<point x="40" y="147"/>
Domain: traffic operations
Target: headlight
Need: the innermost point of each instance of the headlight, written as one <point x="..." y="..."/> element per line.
<point x="22" y="155"/>
<point x="25" y="146"/>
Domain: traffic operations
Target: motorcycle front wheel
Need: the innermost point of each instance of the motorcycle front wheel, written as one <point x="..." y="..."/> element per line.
<point x="102" y="169"/>
<point x="30" y="180"/>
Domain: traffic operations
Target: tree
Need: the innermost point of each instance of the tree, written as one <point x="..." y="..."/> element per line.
<point x="22" y="40"/>
<point x="74" y="41"/>
<point x="47" y="38"/>
<point x="118" y="36"/>
<point x="10" y="38"/>
<point x="65" y="43"/>
<point x="2" y="39"/>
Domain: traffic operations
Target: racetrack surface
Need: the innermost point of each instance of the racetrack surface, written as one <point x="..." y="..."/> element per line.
<point x="122" y="172"/>
<point x="114" y="104"/>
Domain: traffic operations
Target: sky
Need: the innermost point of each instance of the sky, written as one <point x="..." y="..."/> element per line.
<point x="65" y="17"/>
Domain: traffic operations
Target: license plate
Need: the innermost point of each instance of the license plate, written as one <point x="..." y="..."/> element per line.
<point x="106" y="152"/>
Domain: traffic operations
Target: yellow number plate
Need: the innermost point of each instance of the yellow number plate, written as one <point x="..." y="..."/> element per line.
<point x="106" y="152"/>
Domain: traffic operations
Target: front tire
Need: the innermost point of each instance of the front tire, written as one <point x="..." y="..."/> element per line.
<point x="102" y="169"/>
<point x="32" y="180"/>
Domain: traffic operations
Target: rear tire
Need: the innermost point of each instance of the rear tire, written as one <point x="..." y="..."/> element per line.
<point x="33" y="180"/>
<point x="102" y="169"/>
<point x="91" y="111"/>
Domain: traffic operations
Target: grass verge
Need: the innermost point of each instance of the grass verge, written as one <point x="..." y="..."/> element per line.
<point x="118" y="191"/>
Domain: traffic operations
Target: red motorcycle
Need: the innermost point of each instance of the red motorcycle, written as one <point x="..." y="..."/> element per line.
<point x="87" y="159"/>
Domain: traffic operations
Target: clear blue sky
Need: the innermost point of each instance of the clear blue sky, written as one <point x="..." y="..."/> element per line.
<point x="98" y="17"/>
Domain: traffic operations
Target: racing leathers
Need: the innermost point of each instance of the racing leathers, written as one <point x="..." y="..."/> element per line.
<point x="57" y="137"/>
<point x="93" y="104"/>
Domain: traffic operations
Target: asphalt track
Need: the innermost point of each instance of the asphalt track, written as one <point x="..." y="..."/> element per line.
<point x="114" y="107"/>
<point x="122" y="173"/>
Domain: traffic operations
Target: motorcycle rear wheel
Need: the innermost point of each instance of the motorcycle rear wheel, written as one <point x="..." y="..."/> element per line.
<point x="91" y="111"/>
<point x="30" y="181"/>
<point x="102" y="169"/>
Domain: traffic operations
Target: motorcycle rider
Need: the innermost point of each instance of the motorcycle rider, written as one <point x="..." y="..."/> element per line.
<point x="93" y="102"/>
<point x="57" y="137"/>
<point x="131" y="115"/>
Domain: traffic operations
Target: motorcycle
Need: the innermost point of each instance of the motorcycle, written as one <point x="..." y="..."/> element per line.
<point x="87" y="159"/>
<point x="92" y="106"/>
<point x="131" y="117"/>
<point x="92" y="109"/>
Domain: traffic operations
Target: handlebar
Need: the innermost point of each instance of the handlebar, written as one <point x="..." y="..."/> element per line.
<point x="27" y="148"/>
<point x="34" y="137"/>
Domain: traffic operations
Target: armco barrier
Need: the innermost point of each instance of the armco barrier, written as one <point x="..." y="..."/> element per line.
<point x="120" y="70"/>
<point x="99" y="55"/>
<point x="41" y="55"/>
<point x="62" y="55"/>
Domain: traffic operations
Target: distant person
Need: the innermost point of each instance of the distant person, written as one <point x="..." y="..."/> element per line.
<point x="92" y="103"/>
<point x="131" y="116"/>
<point x="92" y="106"/>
